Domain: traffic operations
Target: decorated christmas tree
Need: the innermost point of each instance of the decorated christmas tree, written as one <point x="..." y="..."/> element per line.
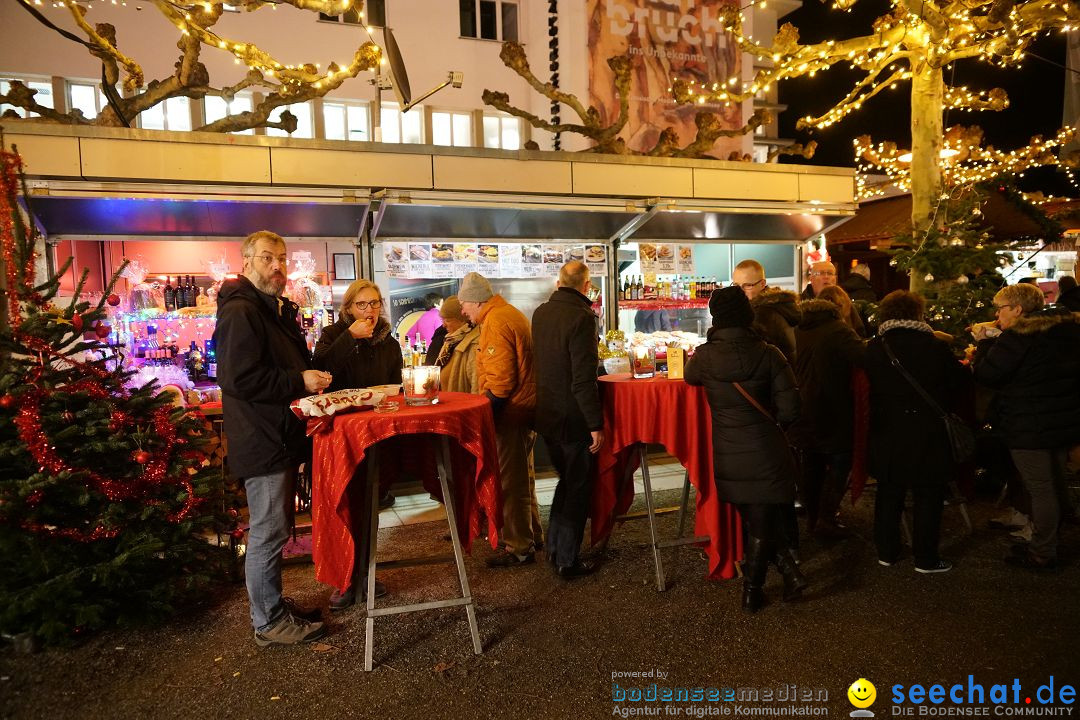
<point x="109" y="511"/>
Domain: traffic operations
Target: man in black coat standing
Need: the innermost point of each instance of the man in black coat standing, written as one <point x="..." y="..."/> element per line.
<point x="568" y="412"/>
<point x="263" y="365"/>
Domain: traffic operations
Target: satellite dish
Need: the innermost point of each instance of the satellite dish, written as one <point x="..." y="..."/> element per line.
<point x="398" y="76"/>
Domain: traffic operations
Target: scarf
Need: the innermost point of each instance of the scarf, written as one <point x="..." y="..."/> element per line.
<point x="450" y="343"/>
<point x="905" y="324"/>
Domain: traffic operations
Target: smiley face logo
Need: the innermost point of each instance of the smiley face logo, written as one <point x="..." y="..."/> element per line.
<point x="862" y="693"/>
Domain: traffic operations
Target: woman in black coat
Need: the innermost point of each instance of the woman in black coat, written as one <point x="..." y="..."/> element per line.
<point x="358" y="349"/>
<point x="360" y="352"/>
<point x="752" y="464"/>
<point x="909" y="447"/>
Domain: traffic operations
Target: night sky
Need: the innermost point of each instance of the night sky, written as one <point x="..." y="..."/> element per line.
<point x="1036" y="91"/>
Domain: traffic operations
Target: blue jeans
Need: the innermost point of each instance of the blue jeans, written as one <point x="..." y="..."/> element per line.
<point x="270" y="504"/>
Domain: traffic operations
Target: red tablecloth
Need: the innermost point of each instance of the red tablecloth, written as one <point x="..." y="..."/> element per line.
<point x="339" y="449"/>
<point x="675" y="415"/>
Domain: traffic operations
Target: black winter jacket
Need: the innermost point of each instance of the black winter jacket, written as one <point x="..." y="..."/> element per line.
<point x="1070" y="300"/>
<point x="908" y="442"/>
<point x="564" y="336"/>
<point x="1035" y="368"/>
<point x="751" y="459"/>
<point x="829" y="350"/>
<point x="776" y="316"/>
<point x="859" y="288"/>
<point x="358" y="363"/>
<point x="261" y="356"/>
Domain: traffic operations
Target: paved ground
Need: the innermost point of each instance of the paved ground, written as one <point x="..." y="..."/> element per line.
<point x="551" y="648"/>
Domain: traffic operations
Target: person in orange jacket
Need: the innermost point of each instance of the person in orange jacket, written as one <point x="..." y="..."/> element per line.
<point x="504" y="374"/>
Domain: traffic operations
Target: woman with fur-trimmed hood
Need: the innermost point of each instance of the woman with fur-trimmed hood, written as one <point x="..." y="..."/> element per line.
<point x="1034" y="364"/>
<point x="776" y="315"/>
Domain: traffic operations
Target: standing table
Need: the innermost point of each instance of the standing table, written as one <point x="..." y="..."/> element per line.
<point x="468" y="480"/>
<point x="675" y="415"/>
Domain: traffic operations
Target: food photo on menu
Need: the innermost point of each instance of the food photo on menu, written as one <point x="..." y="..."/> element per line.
<point x="575" y="253"/>
<point x="419" y="253"/>
<point x="531" y="254"/>
<point x="594" y="253"/>
<point x="464" y="252"/>
<point x="442" y="252"/>
<point x="553" y="254"/>
<point x="664" y="252"/>
<point x="647" y="251"/>
<point x="395" y="253"/>
<point x="488" y="253"/>
<point x="685" y="252"/>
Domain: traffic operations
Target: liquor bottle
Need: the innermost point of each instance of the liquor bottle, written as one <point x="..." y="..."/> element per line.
<point x="170" y="296"/>
<point x="194" y="362"/>
<point x="628" y="288"/>
<point x="210" y="359"/>
<point x="406" y="351"/>
<point x="189" y="292"/>
<point x="195" y="290"/>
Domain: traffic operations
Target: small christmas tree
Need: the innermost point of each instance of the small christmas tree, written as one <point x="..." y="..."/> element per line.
<point x="104" y="516"/>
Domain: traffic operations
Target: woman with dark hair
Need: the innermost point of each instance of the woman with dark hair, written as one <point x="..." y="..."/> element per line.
<point x="751" y="393"/>
<point x="909" y="446"/>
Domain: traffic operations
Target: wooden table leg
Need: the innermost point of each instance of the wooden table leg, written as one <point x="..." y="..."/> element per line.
<point x="443" y="463"/>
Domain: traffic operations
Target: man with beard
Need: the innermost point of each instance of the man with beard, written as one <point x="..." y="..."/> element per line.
<point x="263" y="365"/>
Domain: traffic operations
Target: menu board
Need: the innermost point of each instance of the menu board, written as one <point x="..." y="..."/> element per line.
<point x="666" y="258"/>
<point x="490" y="259"/>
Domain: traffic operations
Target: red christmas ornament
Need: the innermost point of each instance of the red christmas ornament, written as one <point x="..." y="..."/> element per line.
<point x="7" y="401"/>
<point x="77" y="323"/>
<point x="141" y="456"/>
<point x="113" y="299"/>
<point x="102" y="330"/>
<point x="234" y="513"/>
<point x="68" y="416"/>
<point x="238" y="533"/>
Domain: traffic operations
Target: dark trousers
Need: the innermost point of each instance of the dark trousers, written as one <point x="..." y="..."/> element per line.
<point x="824" y="482"/>
<point x="1043" y="474"/>
<point x="766" y="521"/>
<point x="570" y="508"/>
<point x="928" y="495"/>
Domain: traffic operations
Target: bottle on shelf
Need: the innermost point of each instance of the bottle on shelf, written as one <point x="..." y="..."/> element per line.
<point x="170" y="296"/>
<point x="210" y="359"/>
<point x="195" y="290"/>
<point x="406" y="351"/>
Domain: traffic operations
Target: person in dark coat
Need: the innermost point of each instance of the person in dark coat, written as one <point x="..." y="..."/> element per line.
<point x="909" y="447"/>
<point x="1034" y="364"/>
<point x="358" y="349"/>
<point x="1068" y="293"/>
<point x="263" y="365"/>
<point x="753" y="467"/>
<point x="828" y="351"/>
<point x="568" y="412"/>
<point x="857" y="284"/>
<point x="360" y="352"/>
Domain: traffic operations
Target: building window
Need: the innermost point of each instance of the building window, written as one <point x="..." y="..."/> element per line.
<point x="215" y="108"/>
<point x="87" y="98"/>
<point x="172" y="114"/>
<point x="44" y="96"/>
<point x="347" y="121"/>
<point x="761" y="153"/>
<point x="451" y="128"/>
<point x="501" y="131"/>
<point x="302" y="111"/>
<point x="399" y="127"/>
<point x="488" y="19"/>
<point x="375" y="15"/>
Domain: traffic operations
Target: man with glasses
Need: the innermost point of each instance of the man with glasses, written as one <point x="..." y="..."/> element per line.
<point x="263" y="365"/>
<point x="776" y="312"/>
<point x="822" y="274"/>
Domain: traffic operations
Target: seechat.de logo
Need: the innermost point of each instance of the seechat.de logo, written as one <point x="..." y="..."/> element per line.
<point x="862" y="694"/>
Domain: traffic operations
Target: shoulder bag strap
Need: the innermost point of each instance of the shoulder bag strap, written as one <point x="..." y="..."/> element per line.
<point x="911" y="380"/>
<point x="750" y="398"/>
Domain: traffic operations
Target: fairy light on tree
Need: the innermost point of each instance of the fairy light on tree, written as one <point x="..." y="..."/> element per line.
<point x="286" y="83"/>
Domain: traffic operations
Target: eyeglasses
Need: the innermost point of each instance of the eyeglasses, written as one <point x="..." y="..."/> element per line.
<point x="271" y="259"/>
<point x="998" y="308"/>
<point x="362" y="305"/>
<point x="823" y="273"/>
<point x="747" y="286"/>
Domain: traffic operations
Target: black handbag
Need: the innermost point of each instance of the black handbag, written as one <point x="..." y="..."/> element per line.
<point x="961" y="437"/>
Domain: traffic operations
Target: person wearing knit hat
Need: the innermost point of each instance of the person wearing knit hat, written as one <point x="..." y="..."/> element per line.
<point x="505" y="376"/>
<point x="751" y="393"/>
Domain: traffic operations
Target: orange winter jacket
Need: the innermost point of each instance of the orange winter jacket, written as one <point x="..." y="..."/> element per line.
<point x="504" y="360"/>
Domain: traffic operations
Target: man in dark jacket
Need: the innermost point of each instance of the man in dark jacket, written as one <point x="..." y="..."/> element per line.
<point x="1034" y="364"/>
<point x="263" y="365"/>
<point x="858" y="286"/>
<point x="775" y="312"/>
<point x="568" y="413"/>
<point x="829" y="351"/>
<point x="1068" y="293"/>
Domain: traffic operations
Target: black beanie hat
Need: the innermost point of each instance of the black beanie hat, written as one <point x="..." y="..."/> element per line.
<point x="730" y="308"/>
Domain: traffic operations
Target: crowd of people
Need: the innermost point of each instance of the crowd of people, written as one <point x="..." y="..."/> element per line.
<point x="801" y="401"/>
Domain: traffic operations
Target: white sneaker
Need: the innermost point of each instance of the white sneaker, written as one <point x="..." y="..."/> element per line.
<point x="942" y="566"/>
<point x="1013" y="519"/>
<point x="1023" y="534"/>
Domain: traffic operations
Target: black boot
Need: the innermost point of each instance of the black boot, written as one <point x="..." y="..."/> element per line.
<point x="794" y="581"/>
<point x="754" y="570"/>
